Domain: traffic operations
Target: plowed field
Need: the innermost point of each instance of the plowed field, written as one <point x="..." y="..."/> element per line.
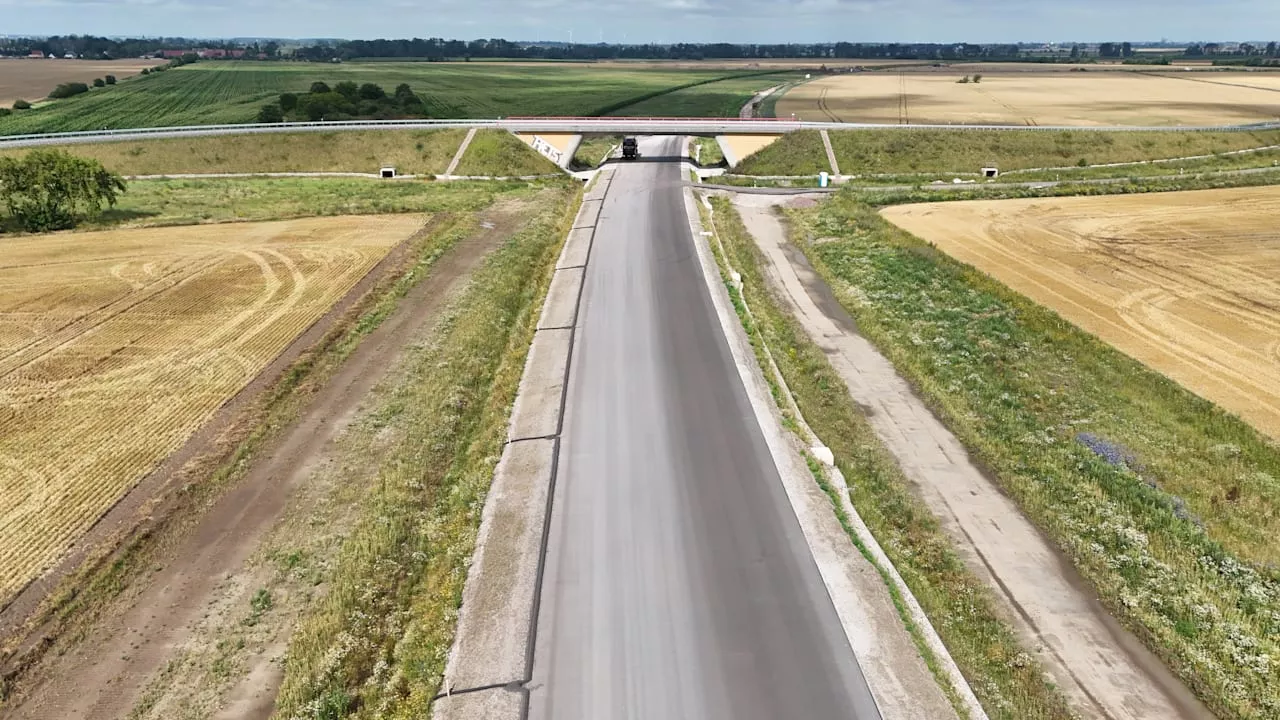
<point x="1052" y="98"/>
<point x="1188" y="283"/>
<point x="116" y="346"/>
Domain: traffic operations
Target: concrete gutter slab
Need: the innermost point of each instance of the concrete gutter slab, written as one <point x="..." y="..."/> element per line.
<point x="561" y="309"/>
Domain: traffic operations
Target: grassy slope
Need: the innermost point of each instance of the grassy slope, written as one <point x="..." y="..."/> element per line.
<point x="1180" y="547"/>
<point x="499" y="153"/>
<point x="1007" y="680"/>
<point x="418" y="152"/>
<point x="711" y="153"/>
<point x="186" y="202"/>
<point x="207" y="93"/>
<point x="918" y="151"/>
<point x="375" y="646"/>
<point x="907" y="151"/>
<point x="591" y="151"/>
<point x="797" y="153"/>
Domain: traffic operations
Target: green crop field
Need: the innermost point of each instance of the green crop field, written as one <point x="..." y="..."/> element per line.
<point x="226" y="92"/>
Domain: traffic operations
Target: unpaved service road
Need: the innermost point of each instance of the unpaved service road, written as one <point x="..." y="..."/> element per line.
<point x="679" y="584"/>
<point x="1184" y="282"/>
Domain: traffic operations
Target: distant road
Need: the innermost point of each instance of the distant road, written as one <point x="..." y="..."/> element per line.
<point x="607" y="126"/>
<point x="679" y="584"/>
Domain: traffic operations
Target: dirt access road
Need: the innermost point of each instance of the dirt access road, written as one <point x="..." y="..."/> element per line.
<point x="135" y="660"/>
<point x="1103" y="670"/>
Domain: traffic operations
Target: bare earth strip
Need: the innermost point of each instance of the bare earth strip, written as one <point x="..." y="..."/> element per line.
<point x="116" y="346"/>
<point x="1186" y="283"/>
<point x="24" y="79"/>
<point x="1030" y="99"/>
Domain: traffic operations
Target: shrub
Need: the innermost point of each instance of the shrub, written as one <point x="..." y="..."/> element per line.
<point x="51" y="189"/>
<point x="99" y="82"/>
<point x="146" y="71"/>
<point x="67" y="90"/>
<point x="369" y="91"/>
<point x="403" y="91"/>
<point x="347" y="89"/>
<point x="5" y="112"/>
<point x="977" y="78"/>
<point x="270" y="114"/>
<point x="288" y="102"/>
<point x="319" y="88"/>
<point x="110" y="79"/>
<point x="21" y="105"/>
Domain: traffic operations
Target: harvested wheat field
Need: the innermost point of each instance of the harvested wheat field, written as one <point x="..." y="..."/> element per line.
<point x="1061" y="98"/>
<point x="27" y="79"/>
<point x="1188" y="283"/>
<point x="116" y="346"/>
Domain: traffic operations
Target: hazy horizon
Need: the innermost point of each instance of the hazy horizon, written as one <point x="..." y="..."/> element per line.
<point x="663" y="21"/>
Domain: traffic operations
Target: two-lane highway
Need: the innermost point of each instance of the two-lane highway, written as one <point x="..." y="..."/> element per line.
<point x="678" y="582"/>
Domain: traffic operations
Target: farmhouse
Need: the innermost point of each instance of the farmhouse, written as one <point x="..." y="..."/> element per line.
<point x="36" y="54"/>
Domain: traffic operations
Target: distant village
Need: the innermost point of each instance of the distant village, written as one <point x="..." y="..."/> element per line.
<point x="203" y="53"/>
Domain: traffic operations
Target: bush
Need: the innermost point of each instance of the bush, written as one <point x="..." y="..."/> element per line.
<point x="110" y="79"/>
<point x="5" y="112"/>
<point x="288" y="102"/>
<point x="67" y="90"/>
<point x="270" y="114"/>
<point x="347" y="89"/>
<point x="319" y="88"/>
<point x="977" y="78"/>
<point x="369" y="91"/>
<point x="21" y="105"/>
<point x="99" y="82"/>
<point x="146" y="71"/>
<point x="51" y="189"/>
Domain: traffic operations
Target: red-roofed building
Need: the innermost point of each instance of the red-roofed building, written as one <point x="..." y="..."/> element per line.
<point x="36" y="54"/>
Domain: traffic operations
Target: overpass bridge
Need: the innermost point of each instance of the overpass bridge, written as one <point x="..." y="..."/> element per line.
<point x="558" y="137"/>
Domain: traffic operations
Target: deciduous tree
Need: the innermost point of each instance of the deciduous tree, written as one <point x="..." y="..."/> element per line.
<point x="52" y="189"/>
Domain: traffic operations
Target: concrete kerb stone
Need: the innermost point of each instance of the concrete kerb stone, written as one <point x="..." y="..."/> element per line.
<point x="589" y="215"/>
<point x="561" y="308"/>
<point x="576" y="248"/>
<point x="488" y="663"/>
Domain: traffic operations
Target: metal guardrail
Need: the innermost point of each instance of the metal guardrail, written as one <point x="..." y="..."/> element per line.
<point x="637" y="126"/>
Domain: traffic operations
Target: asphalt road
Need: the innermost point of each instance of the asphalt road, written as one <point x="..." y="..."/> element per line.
<point x="678" y="583"/>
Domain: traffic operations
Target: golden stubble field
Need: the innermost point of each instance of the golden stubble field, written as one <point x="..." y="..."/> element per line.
<point x="1046" y="98"/>
<point x="31" y="80"/>
<point x="1188" y="283"/>
<point x="116" y="346"/>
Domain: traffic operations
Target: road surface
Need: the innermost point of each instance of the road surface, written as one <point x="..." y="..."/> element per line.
<point x="678" y="583"/>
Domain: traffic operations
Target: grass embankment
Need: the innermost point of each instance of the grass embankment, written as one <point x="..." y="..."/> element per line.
<point x="1005" y="677"/>
<point x="796" y="153"/>
<point x="499" y="153"/>
<point x="376" y="645"/>
<point x="1171" y="515"/>
<point x="71" y="610"/>
<point x="415" y="152"/>
<point x="707" y="151"/>
<point x="187" y="202"/>
<point x="233" y="92"/>
<point x="924" y="154"/>
<point x="593" y="151"/>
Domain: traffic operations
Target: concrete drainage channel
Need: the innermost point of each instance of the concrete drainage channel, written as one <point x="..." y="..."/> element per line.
<point x="492" y="656"/>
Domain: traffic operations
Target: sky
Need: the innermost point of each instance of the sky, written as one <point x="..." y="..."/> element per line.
<point x="664" y="21"/>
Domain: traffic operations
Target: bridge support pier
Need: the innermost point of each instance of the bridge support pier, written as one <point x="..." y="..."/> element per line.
<point x="556" y="147"/>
